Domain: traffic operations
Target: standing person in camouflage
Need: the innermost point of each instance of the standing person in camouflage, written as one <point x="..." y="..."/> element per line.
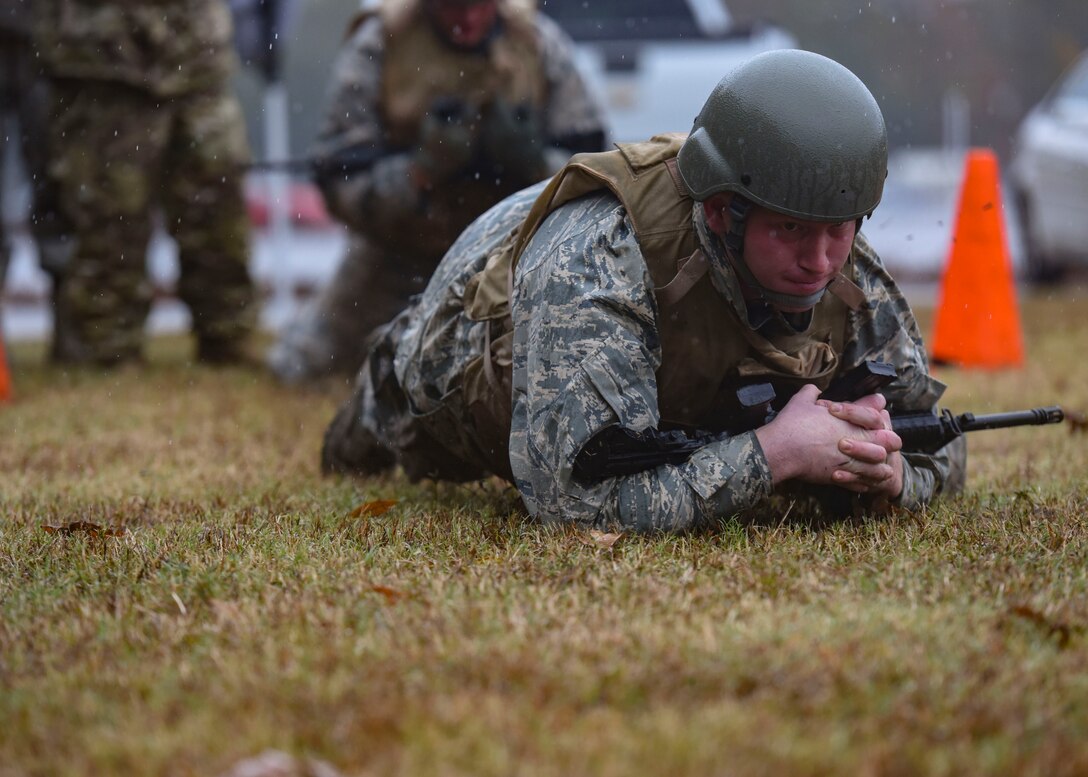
<point x="24" y="123"/>
<point x="648" y="285"/>
<point x="439" y="109"/>
<point x="143" y="117"/>
<point x="21" y="109"/>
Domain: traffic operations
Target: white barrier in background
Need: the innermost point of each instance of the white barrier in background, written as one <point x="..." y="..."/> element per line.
<point x="911" y="230"/>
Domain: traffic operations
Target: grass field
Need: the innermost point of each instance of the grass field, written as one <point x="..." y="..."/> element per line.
<point x="231" y="600"/>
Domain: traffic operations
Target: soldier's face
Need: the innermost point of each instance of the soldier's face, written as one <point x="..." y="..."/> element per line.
<point x="464" y="23"/>
<point x="790" y="255"/>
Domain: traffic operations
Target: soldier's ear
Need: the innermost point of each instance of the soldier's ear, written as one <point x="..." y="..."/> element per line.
<point x="716" y="209"/>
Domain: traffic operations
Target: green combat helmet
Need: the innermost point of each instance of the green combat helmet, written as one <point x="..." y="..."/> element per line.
<point x="794" y="132"/>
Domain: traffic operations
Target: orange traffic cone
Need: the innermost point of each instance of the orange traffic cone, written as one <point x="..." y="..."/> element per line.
<point x="978" y="321"/>
<point x="5" y="376"/>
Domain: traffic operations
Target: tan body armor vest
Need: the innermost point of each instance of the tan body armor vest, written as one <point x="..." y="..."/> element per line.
<point x="418" y="67"/>
<point x="707" y="350"/>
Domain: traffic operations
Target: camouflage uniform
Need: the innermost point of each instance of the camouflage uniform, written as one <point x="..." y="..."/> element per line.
<point x="586" y="347"/>
<point x="400" y="230"/>
<point x="143" y="117"/>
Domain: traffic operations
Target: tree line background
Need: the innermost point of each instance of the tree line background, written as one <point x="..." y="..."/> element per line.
<point x="998" y="56"/>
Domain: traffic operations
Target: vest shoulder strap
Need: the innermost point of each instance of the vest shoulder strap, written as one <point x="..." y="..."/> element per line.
<point x="638" y="175"/>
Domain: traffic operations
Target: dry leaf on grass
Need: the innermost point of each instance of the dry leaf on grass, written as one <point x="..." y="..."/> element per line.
<point x="93" y="529"/>
<point x="1059" y="630"/>
<point x="375" y="507"/>
<point x="600" y="539"/>
<point x="1078" y="422"/>
<point x="392" y="595"/>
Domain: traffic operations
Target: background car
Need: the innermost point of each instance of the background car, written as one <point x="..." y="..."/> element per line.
<point x="1049" y="176"/>
<point x="653" y="62"/>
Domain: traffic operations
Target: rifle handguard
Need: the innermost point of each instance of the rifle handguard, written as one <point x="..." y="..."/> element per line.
<point x="929" y="432"/>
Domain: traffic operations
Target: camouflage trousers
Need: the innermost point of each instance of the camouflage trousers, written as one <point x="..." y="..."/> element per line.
<point x="378" y="428"/>
<point x="118" y="156"/>
<point x="414" y="402"/>
<point x="329" y="337"/>
<point x="23" y="122"/>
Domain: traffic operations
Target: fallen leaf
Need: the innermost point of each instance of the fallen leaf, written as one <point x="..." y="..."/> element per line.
<point x="600" y="539"/>
<point x="93" y="529"/>
<point x="1078" y="422"/>
<point x="375" y="507"/>
<point x="392" y="595"/>
<point x="1057" y="629"/>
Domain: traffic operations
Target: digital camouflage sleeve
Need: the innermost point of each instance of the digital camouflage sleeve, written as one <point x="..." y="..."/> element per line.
<point x="585" y="354"/>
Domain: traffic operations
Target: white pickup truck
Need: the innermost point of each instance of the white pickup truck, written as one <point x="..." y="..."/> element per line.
<point x="654" y="62"/>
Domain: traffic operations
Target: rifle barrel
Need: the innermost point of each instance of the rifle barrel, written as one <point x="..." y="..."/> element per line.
<point x="970" y="422"/>
<point x="286" y="165"/>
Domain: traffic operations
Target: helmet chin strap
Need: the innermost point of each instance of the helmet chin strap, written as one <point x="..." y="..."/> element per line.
<point x="739" y="208"/>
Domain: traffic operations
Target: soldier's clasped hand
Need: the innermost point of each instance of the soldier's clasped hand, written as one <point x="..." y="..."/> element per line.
<point x="848" y="444"/>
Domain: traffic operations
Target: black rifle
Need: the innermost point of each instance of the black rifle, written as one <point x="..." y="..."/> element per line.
<point x="929" y="432"/>
<point x="352" y="159"/>
<point x="616" y="451"/>
<point x="360" y="156"/>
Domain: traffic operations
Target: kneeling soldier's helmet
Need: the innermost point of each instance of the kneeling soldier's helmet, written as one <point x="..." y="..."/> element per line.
<point x="792" y="131"/>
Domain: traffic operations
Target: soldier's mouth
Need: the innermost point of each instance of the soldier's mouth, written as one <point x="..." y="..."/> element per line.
<point x="807" y="287"/>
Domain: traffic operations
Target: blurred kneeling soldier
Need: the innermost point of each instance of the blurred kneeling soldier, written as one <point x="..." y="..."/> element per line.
<point x="439" y="109"/>
<point x="649" y="284"/>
